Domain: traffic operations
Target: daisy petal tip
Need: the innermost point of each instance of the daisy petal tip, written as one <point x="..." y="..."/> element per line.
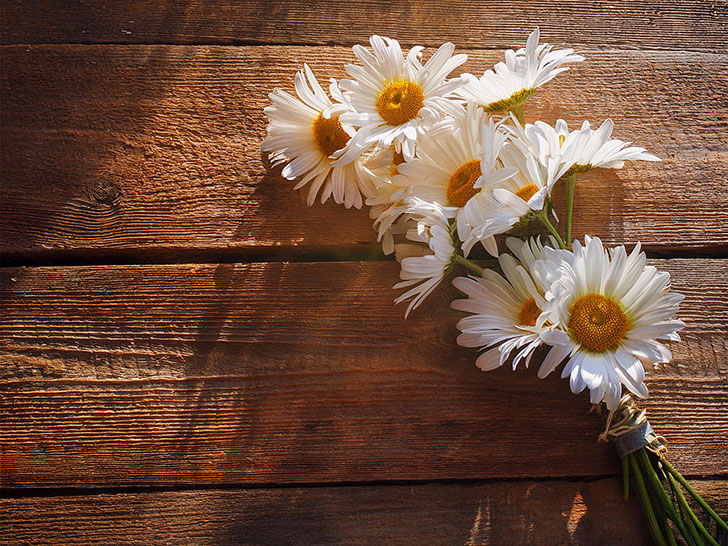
<point x="489" y="360"/>
<point x="642" y="392"/>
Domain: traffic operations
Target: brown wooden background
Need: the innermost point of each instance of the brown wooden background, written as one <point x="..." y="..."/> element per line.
<point x="192" y="356"/>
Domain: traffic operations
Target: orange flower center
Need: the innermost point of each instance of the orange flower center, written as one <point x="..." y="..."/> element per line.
<point x="526" y="192"/>
<point x="598" y="323"/>
<point x="400" y="102"/>
<point x="460" y="186"/>
<point x="529" y="313"/>
<point x="329" y="134"/>
<point x="397" y="160"/>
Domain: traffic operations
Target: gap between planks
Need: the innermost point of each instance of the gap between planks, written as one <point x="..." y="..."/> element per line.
<point x="614" y="47"/>
<point x="211" y="256"/>
<point x="31" y="492"/>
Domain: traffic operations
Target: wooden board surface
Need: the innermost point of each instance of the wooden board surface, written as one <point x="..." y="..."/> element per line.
<point x="285" y="400"/>
<point x="154" y="152"/>
<point x="506" y="514"/>
<point x="284" y="373"/>
<point x="686" y="25"/>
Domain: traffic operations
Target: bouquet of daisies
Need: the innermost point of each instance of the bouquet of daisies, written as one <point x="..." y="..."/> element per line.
<point x="447" y="164"/>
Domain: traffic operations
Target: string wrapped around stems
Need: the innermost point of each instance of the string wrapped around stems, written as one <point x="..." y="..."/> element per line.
<point x="643" y="455"/>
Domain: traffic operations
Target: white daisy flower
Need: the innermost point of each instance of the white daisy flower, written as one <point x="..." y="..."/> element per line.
<point x="384" y="162"/>
<point x="506" y="310"/>
<point x="454" y="160"/>
<point x="541" y="261"/>
<point x="422" y="266"/>
<point x="584" y="149"/>
<point x="609" y="310"/>
<point x="507" y="202"/>
<point x="389" y="202"/>
<point x="510" y="84"/>
<point x="390" y="98"/>
<point x="300" y="136"/>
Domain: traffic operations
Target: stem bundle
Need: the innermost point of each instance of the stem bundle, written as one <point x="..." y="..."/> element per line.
<point x="658" y="485"/>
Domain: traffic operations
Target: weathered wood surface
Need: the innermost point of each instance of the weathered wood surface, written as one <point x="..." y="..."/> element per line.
<point x="152" y="153"/>
<point x="506" y="514"/>
<point x="285" y="373"/>
<point x="305" y="374"/>
<point x="686" y="25"/>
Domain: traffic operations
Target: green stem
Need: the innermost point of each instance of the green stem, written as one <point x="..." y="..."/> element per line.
<point x="649" y="512"/>
<point x="697" y="497"/>
<point x="694" y="518"/>
<point x="659" y="492"/>
<point x="570" y="184"/>
<point x="475" y="268"/>
<point x="520" y="116"/>
<point x="690" y="534"/>
<point x="546" y="222"/>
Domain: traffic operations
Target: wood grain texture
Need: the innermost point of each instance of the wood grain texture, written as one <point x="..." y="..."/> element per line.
<point x="148" y="151"/>
<point x="699" y="26"/>
<point x="304" y="374"/>
<point x="294" y="373"/>
<point x="506" y="514"/>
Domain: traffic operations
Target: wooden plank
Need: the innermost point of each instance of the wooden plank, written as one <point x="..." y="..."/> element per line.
<point x="507" y="513"/>
<point x="336" y="427"/>
<point x="148" y="151"/>
<point x="137" y="322"/>
<point x="698" y="26"/>
<point x="306" y="372"/>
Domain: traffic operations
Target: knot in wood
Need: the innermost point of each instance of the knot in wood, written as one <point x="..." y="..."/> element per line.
<point x="106" y="193"/>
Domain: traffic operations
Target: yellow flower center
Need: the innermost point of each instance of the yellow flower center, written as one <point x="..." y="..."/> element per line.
<point x="578" y="169"/>
<point x="397" y="160"/>
<point x="460" y="186"/>
<point x="329" y="134"/>
<point x="598" y="323"/>
<point x="562" y="139"/>
<point x="400" y="102"/>
<point x="529" y="313"/>
<point x="517" y="98"/>
<point x="526" y="192"/>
